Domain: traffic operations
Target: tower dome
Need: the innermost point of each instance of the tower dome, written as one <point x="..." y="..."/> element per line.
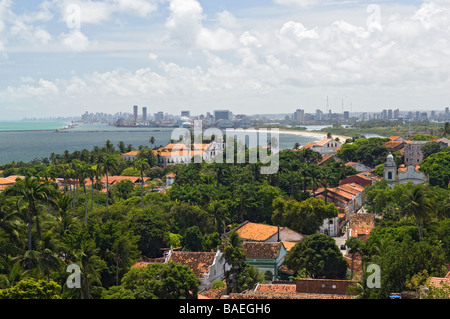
<point x="390" y="160"/>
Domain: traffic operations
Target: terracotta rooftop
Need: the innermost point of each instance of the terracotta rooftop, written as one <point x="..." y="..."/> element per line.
<point x="325" y="140"/>
<point x="289" y="288"/>
<point x="132" y="153"/>
<point x="440" y="282"/>
<point x="393" y="144"/>
<point x="256" y="231"/>
<point x="261" y="250"/>
<point x="289" y="244"/>
<point x="361" y="224"/>
<point x="325" y="158"/>
<point x="198" y="262"/>
<point x="309" y="145"/>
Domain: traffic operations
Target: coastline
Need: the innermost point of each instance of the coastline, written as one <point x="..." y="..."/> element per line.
<point x="317" y="134"/>
<point x="56" y="130"/>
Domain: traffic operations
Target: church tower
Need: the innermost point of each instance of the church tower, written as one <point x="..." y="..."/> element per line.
<point x="390" y="170"/>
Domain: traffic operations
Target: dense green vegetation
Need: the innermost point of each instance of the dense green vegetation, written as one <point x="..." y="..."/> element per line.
<point x="411" y="236"/>
<point x="45" y="228"/>
<point x="390" y="128"/>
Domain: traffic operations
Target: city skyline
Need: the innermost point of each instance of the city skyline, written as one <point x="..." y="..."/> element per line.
<point x="60" y="58"/>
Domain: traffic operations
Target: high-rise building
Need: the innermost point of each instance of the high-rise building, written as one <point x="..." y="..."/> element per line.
<point x="319" y="115"/>
<point x="299" y="115"/>
<point x="346" y="115"/>
<point x="135" y="113"/>
<point x="396" y="114"/>
<point x="186" y="113"/>
<point x="222" y="115"/>
<point x="144" y="114"/>
<point x="390" y="114"/>
<point x="159" y="116"/>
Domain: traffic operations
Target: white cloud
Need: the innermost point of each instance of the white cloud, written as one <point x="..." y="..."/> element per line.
<point x="141" y="8"/>
<point x="222" y="59"/>
<point x="298" y="30"/>
<point x="247" y="39"/>
<point x="75" y="41"/>
<point x="185" y="25"/>
<point x="299" y="3"/>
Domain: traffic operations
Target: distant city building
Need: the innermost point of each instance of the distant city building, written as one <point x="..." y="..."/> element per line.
<point x="389" y="114"/>
<point x="299" y="116"/>
<point x="186" y="113"/>
<point x="135" y="113"/>
<point x="319" y="115"/>
<point x="159" y="116"/>
<point x="396" y="114"/>
<point x="144" y="114"/>
<point x="347" y="115"/>
<point x="222" y="115"/>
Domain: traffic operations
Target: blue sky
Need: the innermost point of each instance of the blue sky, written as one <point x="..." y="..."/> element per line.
<point x="62" y="58"/>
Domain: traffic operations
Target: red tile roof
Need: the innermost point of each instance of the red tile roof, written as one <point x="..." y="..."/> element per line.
<point x="198" y="262"/>
<point x="269" y="250"/>
<point x="256" y="231"/>
<point x="132" y="153"/>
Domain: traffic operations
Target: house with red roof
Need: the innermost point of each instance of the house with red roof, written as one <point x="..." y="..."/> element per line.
<point x="206" y="266"/>
<point x="325" y="146"/>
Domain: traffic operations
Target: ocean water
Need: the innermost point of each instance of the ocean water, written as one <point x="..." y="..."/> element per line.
<point x="25" y="141"/>
<point x="31" y="125"/>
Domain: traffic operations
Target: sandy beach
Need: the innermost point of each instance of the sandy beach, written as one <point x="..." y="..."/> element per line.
<point x="316" y="134"/>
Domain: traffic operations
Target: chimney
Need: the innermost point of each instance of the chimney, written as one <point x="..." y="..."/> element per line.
<point x="278" y="234"/>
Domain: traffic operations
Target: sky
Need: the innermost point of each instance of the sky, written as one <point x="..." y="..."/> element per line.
<point x="65" y="57"/>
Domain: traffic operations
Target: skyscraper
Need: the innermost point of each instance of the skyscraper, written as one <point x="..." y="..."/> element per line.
<point x="144" y="114"/>
<point x="222" y="115"/>
<point x="135" y="113"/>
<point x="186" y="113"/>
<point x="299" y="115"/>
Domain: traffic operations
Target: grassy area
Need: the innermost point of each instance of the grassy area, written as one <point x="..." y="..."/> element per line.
<point x="388" y="129"/>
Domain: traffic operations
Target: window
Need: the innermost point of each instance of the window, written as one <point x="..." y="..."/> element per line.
<point x="389" y="175"/>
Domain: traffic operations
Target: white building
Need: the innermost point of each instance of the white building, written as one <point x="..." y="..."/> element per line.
<point x="325" y="146"/>
<point x="403" y="174"/>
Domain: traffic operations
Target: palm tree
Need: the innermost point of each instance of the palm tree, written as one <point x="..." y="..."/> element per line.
<point x="9" y="219"/>
<point x="90" y="173"/>
<point x="326" y="177"/>
<point x="446" y="129"/>
<point x="420" y="205"/>
<point x="98" y="185"/>
<point x="83" y="175"/>
<point x="151" y="140"/>
<point x="109" y="162"/>
<point x="142" y="165"/>
<point x="217" y="210"/>
<point x="33" y="192"/>
<point x="90" y="265"/>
